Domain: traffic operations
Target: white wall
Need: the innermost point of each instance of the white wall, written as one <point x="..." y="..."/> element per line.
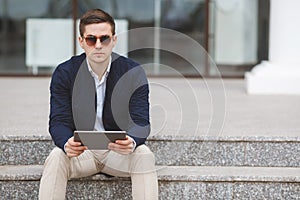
<point x="236" y="32"/>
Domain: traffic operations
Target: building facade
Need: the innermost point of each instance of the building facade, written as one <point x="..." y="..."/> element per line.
<point x="234" y="33"/>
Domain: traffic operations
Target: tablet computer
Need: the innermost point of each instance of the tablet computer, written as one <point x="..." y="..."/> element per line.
<point x="97" y="140"/>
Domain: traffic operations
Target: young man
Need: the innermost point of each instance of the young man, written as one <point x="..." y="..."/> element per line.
<point x="99" y="90"/>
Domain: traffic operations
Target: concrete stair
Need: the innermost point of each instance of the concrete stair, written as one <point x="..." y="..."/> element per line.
<point x="175" y="182"/>
<point x="176" y="151"/>
<point x="188" y="168"/>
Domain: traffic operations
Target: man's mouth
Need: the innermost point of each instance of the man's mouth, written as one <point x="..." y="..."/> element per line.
<point x="98" y="53"/>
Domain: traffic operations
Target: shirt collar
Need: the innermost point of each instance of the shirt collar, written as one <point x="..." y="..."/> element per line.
<point x="93" y="73"/>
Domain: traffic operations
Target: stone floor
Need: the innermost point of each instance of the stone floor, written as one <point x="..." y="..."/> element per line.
<point x="178" y="107"/>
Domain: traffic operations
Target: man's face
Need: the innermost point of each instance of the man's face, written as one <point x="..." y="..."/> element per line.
<point x="98" y="52"/>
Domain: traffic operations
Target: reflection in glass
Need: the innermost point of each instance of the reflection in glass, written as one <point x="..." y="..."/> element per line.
<point x="186" y="17"/>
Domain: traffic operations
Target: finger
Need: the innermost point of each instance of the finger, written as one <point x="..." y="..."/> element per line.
<point x="121" y="151"/>
<point x="120" y="146"/>
<point x="124" y="142"/>
<point x="75" y="148"/>
<point x="73" y="143"/>
<point x="80" y="148"/>
<point x="71" y="151"/>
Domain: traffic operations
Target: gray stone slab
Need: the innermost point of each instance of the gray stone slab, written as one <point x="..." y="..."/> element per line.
<point x="24" y="190"/>
<point x="200" y="153"/>
<point x="278" y="191"/>
<point x="230" y="174"/>
<point x="195" y="190"/>
<point x="175" y="173"/>
<point x="76" y="190"/>
<point x="119" y="190"/>
<point x="15" y="190"/>
<point x="272" y="154"/>
<point x="22" y="182"/>
<point x="24" y="150"/>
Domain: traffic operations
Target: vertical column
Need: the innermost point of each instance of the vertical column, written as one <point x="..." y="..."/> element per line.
<point x="4" y="33"/>
<point x="157" y="16"/>
<point x="281" y="73"/>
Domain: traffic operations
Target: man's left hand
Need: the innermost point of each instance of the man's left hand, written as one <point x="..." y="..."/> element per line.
<point x="123" y="147"/>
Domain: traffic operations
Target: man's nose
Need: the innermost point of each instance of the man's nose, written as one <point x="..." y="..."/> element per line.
<point x="98" y="44"/>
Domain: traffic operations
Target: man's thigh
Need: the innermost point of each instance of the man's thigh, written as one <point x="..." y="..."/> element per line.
<point x="88" y="163"/>
<point x="140" y="161"/>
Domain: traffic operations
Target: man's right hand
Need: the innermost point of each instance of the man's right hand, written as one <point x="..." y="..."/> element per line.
<point x="74" y="149"/>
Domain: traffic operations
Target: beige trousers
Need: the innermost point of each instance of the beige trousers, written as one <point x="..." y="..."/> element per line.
<point x="139" y="165"/>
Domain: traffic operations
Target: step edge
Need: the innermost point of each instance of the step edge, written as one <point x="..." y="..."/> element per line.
<point x="162" y="176"/>
<point x="173" y="138"/>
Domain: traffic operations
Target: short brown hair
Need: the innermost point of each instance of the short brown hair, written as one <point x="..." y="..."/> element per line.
<point x="95" y="16"/>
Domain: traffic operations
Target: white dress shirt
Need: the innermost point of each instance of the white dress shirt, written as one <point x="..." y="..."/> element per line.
<point x="100" y="89"/>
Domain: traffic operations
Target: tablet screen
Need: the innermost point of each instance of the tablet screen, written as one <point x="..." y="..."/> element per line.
<point x="98" y="139"/>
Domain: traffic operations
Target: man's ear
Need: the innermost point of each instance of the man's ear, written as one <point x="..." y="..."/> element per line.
<point x="114" y="37"/>
<point x="80" y="40"/>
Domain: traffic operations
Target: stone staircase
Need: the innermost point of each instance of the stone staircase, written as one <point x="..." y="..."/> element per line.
<point x="228" y="167"/>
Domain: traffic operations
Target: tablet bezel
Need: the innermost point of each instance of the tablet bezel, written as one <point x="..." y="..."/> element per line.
<point x="88" y="138"/>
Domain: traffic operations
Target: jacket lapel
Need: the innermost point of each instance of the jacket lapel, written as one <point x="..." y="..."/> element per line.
<point x="84" y="99"/>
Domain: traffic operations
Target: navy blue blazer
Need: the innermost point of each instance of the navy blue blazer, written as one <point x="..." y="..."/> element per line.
<point x="126" y="98"/>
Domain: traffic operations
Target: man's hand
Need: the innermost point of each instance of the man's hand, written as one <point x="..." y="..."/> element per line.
<point x="74" y="149"/>
<point x="123" y="147"/>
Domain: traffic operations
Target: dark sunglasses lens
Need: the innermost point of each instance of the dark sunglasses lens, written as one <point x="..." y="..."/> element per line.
<point x="105" y="39"/>
<point x="91" y="40"/>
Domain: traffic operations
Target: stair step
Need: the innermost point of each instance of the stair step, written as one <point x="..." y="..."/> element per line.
<point x="171" y="150"/>
<point x="176" y="173"/>
<point x="175" y="182"/>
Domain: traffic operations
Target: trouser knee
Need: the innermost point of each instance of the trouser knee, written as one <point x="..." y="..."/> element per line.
<point x="143" y="160"/>
<point x="57" y="155"/>
<point x="57" y="159"/>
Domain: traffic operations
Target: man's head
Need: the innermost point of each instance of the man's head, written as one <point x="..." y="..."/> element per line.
<point x="93" y="17"/>
<point x="97" y="36"/>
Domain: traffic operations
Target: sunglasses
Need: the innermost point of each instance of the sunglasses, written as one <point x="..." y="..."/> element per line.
<point x="91" y="40"/>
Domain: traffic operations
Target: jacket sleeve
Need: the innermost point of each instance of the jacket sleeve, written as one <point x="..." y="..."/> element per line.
<point x="61" y="123"/>
<point x="139" y="123"/>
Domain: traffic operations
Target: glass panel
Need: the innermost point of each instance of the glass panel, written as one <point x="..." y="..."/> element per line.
<point x="181" y="16"/>
<point x="162" y="13"/>
<point x="186" y="17"/>
<point x="234" y="35"/>
<point x="13" y="15"/>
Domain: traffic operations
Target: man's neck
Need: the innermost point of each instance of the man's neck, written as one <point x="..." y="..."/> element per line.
<point x="99" y="68"/>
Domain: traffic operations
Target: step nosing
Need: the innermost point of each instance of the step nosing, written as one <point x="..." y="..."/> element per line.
<point x="172" y="138"/>
<point x="174" y="174"/>
<point x="25" y="138"/>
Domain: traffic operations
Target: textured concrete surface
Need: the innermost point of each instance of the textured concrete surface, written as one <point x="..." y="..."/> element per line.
<point x="24" y="190"/>
<point x="21" y="182"/>
<point x="175" y="173"/>
<point x="179" y="107"/>
<point x="24" y="150"/>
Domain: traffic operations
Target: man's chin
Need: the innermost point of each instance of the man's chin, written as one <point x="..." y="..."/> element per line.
<point x="99" y="58"/>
